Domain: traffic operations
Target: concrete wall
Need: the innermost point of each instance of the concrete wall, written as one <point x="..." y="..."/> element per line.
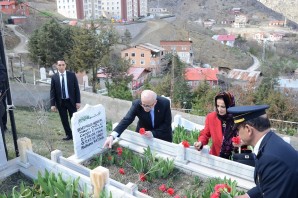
<point x="36" y="96"/>
<point x="31" y="95"/>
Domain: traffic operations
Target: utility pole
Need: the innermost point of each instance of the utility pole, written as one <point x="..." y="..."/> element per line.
<point x="173" y="75"/>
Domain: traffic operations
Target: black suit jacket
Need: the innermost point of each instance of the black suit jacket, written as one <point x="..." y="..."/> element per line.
<point x="276" y="170"/>
<point x="162" y="119"/>
<point x="72" y="86"/>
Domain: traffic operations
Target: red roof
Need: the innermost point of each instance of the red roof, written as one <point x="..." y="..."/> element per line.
<point x="225" y="38"/>
<point x="136" y="72"/>
<point x="199" y="74"/>
<point x="4" y="3"/>
<point x="73" y="23"/>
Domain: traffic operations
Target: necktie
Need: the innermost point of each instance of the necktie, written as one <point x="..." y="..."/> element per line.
<point x="63" y="87"/>
<point x="152" y="117"/>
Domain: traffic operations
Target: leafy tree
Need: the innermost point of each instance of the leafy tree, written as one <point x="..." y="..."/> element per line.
<point x="116" y="69"/>
<point x="164" y="86"/>
<point x="282" y="106"/>
<point x="127" y="37"/>
<point x="203" y="101"/>
<point x="119" y="90"/>
<point x="175" y="85"/>
<point x="90" y="45"/>
<point x="48" y="43"/>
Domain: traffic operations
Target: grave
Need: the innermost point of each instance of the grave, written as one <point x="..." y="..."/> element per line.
<point x="88" y="131"/>
<point x="43" y="73"/>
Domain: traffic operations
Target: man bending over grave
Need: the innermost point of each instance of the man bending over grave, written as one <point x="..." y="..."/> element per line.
<point x="154" y="113"/>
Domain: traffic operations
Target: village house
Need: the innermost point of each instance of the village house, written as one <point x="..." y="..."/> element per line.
<point x="276" y="23"/>
<point x="243" y="77"/>
<point x="139" y="76"/>
<point x="228" y="40"/>
<point x="14" y="8"/>
<point x="195" y="76"/>
<point x="182" y="48"/>
<point x="275" y="37"/>
<point x="259" y="36"/>
<point x="240" y="21"/>
<point x="158" y="11"/>
<point x="209" y="23"/>
<point x="236" y="10"/>
<point x="145" y="55"/>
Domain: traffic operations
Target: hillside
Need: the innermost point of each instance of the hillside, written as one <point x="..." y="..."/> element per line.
<point x="186" y="26"/>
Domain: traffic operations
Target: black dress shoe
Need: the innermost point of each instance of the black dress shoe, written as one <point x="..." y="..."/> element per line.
<point x="67" y="138"/>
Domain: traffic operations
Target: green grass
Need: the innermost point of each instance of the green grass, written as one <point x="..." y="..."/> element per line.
<point x="43" y="128"/>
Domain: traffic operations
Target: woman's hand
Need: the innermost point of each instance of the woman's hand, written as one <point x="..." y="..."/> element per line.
<point x="198" y="145"/>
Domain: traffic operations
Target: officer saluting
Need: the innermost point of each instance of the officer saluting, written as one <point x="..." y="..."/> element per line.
<point x="276" y="166"/>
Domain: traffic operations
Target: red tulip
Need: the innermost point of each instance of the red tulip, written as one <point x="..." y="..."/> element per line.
<point x="121" y="171"/>
<point x="162" y="187"/>
<point x="142" y="131"/>
<point x="215" y="195"/>
<point x="217" y="187"/>
<point x="185" y="144"/>
<point x="119" y="151"/>
<point x="145" y="191"/>
<point x="142" y="177"/>
<point x="171" y="191"/>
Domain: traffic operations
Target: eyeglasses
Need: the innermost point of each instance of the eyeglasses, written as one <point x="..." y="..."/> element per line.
<point x="147" y="106"/>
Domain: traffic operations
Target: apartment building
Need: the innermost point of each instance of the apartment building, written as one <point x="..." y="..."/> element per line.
<point x="119" y="10"/>
<point x="145" y="55"/>
<point x="182" y="48"/>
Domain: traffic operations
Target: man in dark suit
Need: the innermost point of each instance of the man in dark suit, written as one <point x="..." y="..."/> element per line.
<point x="65" y="95"/>
<point x="276" y="164"/>
<point x="154" y="113"/>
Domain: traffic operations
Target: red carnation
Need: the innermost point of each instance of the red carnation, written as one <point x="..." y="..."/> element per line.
<point x="171" y="191"/>
<point x="236" y="140"/>
<point x="119" y="151"/>
<point x="185" y="144"/>
<point x="142" y="177"/>
<point x="121" y="171"/>
<point x="222" y="186"/>
<point x="162" y="187"/>
<point x="145" y="191"/>
<point x="142" y="131"/>
<point x="176" y="196"/>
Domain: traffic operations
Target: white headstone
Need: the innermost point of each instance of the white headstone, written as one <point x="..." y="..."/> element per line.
<point x="51" y="73"/>
<point x="88" y="130"/>
<point x="85" y="81"/>
<point x="43" y="74"/>
<point x="3" y="160"/>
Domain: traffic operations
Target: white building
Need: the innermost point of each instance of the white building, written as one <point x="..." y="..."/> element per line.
<point x="94" y="9"/>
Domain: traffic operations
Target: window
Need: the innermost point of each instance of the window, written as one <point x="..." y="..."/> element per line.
<point x="142" y="55"/>
<point x="142" y="62"/>
<point x="133" y="54"/>
<point x="126" y="54"/>
<point x="133" y="62"/>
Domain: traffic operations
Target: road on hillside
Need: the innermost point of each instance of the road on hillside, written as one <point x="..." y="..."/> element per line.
<point x="255" y="65"/>
<point x="21" y="48"/>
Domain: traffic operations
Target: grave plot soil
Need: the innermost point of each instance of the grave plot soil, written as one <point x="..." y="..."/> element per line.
<point x="181" y="182"/>
<point x="16" y="179"/>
